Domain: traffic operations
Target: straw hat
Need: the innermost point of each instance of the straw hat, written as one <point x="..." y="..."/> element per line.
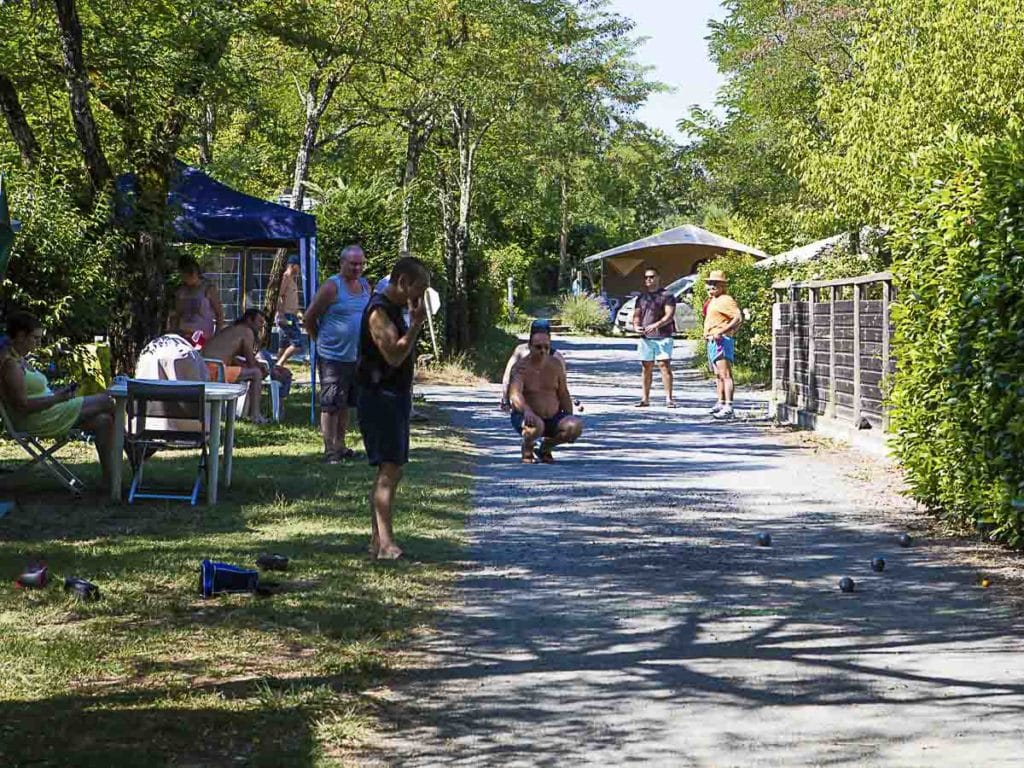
<point x="717" y="276"/>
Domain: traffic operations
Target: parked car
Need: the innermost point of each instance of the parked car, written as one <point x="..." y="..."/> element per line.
<point x="686" y="319"/>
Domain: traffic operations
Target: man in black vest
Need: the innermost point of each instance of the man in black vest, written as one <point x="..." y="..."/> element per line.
<point x="387" y="350"/>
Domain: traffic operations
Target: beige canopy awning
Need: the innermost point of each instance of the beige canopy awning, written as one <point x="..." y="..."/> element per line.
<point x="674" y="253"/>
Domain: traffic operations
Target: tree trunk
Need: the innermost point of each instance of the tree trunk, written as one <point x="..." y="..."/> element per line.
<point x="316" y="105"/>
<point x="418" y="135"/>
<point x="455" y="220"/>
<point x="564" y="277"/>
<point x="18" y="125"/>
<point x="207" y="134"/>
<point x="78" y="94"/>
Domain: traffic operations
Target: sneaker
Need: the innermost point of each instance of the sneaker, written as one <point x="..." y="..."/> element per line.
<point x="725" y="413"/>
<point x="717" y="407"/>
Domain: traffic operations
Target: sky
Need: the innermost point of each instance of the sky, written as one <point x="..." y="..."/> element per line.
<point x="678" y="53"/>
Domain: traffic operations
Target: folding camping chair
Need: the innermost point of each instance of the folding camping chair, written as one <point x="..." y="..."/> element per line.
<point x="174" y="405"/>
<point x="45" y="456"/>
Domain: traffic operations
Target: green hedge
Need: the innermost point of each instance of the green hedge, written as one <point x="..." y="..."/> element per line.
<point x="958" y="397"/>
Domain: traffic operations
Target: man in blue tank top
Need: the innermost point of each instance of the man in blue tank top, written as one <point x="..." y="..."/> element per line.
<point x="333" y="319"/>
<point x="387" y="349"/>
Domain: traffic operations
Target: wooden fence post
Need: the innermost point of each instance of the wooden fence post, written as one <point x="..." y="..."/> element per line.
<point x="885" y="383"/>
<point x="832" y="293"/>
<point x="791" y="394"/>
<point x="811" y="395"/>
<point x="856" y="354"/>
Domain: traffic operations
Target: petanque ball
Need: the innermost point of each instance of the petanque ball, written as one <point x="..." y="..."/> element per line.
<point x="846" y="584"/>
<point x="905" y="540"/>
<point x="878" y="564"/>
<point x="576" y="402"/>
<point x="985" y="583"/>
<point x="764" y="539"/>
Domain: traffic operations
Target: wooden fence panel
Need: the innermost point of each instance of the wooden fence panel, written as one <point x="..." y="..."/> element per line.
<point x="832" y="357"/>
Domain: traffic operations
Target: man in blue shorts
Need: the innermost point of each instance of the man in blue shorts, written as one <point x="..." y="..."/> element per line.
<point x="655" y="320"/>
<point x="541" y="403"/>
<point x="721" y="321"/>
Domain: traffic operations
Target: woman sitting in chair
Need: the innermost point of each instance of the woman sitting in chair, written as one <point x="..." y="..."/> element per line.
<point x="34" y="407"/>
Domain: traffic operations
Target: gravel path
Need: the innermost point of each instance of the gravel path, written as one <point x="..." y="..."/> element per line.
<point x="616" y="611"/>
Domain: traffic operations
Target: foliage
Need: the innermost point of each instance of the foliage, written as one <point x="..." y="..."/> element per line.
<point x="350" y="213"/>
<point x="584" y="313"/>
<point x="64" y="262"/>
<point x="958" y="401"/>
<point x="512" y="261"/>
<point x="921" y="69"/>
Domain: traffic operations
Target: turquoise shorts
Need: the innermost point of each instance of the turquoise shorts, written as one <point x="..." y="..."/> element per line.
<point x="655" y="349"/>
<point x="721" y="350"/>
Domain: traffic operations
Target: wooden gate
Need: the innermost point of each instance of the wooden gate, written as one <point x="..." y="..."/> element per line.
<point x="830" y="350"/>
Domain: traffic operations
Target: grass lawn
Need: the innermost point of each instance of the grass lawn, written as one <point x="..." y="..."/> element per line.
<point x="153" y="674"/>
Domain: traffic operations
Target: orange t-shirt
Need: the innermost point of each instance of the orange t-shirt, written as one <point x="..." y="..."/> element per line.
<point x="722" y="310"/>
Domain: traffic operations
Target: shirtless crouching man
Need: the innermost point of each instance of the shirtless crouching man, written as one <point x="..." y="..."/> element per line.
<point x="541" y="404"/>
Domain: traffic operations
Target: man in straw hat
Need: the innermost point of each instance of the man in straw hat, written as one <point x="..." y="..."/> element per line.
<point x="722" y="319"/>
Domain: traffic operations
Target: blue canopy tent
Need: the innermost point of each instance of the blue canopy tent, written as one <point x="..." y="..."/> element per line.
<point x="211" y="213"/>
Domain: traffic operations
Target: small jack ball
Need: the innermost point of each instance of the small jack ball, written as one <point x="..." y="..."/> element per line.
<point x="878" y="564"/>
<point x="985" y="583"/>
<point x="764" y="539"/>
<point x="905" y="540"/>
<point x="846" y="584"/>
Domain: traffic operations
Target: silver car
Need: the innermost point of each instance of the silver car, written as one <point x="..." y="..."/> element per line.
<point x="686" y="319"/>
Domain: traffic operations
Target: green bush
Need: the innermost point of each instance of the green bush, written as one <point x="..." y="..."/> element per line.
<point x="64" y="265"/>
<point x="958" y="398"/>
<point x="583" y="313"/>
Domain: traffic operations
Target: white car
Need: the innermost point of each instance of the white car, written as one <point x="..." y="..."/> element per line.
<point x="682" y="289"/>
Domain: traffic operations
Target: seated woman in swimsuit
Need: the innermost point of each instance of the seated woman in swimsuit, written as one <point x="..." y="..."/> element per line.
<point x="39" y="410"/>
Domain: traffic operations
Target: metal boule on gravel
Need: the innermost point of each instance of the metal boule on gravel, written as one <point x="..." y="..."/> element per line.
<point x="764" y="539"/>
<point x="878" y="564"/>
<point x="905" y="540"/>
<point x="846" y="584"/>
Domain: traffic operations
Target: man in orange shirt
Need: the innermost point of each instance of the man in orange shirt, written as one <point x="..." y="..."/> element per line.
<point x="722" y="319"/>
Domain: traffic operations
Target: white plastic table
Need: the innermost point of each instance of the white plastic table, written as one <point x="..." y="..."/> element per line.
<point x="217" y="394"/>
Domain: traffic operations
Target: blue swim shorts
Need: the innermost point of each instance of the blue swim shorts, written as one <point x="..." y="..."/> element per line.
<point x="721" y="350"/>
<point x="655" y="349"/>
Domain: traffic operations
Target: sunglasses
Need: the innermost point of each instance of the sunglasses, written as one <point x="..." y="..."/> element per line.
<point x="541" y="347"/>
<point x="650" y="277"/>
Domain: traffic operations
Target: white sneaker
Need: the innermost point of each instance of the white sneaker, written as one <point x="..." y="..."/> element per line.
<point x="716" y="409"/>
<point x="725" y="413"/>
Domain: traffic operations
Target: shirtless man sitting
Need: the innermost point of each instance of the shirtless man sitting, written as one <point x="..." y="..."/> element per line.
<point x="541" y="404"/>
<point x="239" y="341"/>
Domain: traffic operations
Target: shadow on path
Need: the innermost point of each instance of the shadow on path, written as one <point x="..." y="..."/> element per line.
<point x="616" y="610"/>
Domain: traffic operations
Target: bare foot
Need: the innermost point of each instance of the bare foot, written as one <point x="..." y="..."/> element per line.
<point x="390" y="552"/>
<point x="528" y="457"/>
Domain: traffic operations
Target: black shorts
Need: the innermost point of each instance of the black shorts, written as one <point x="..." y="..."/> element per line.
<point x="337" y="385"/>
<point x="384" y="422"/>
<point x="550" y="425"/>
